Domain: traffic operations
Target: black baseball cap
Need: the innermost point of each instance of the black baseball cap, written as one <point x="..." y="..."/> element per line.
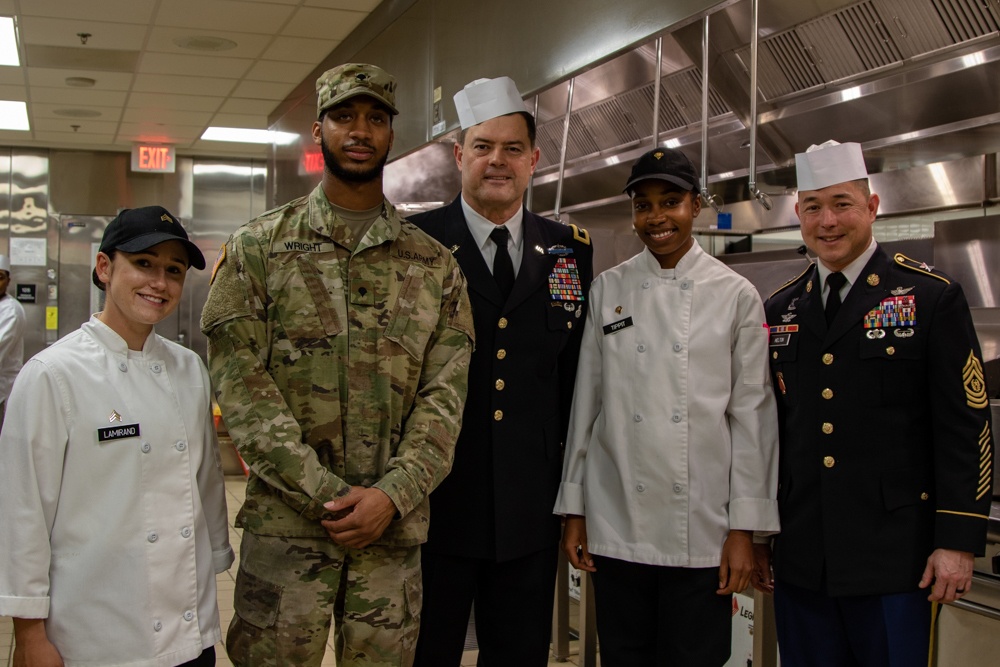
<point x="665" y="164"/>
<point x="136" y="229"/>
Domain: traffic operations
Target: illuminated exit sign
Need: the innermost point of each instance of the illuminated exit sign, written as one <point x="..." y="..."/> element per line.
<point x="153" y="158"/>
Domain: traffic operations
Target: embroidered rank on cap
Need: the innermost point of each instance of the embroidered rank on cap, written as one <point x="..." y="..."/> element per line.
<point x="985" y="462"/>
<point x="896" y="311"/>
<point x="166" y="218"/>
<point x="564" y="281"/>
<point x="974" y="382"/>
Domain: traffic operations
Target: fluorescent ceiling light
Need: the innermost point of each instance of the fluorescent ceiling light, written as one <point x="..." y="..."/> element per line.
<point x="14" y="116"/>
<point x="8" y="43"/>
<point x="245" y="136"/>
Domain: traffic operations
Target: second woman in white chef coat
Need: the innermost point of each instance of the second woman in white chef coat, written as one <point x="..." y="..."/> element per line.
<point x="671" y="459"/>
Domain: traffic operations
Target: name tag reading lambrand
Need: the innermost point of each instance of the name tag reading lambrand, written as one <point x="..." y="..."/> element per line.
<point x="617" y="326"/>
<point x="118" y="432"/>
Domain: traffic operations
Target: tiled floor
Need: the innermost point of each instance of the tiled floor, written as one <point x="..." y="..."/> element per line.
<point x="235" y="487"/>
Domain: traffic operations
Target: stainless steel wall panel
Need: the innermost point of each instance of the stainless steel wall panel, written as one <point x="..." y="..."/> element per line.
<point x="29" y="219"/>
<point x="941" y="185"/>
<point x="969" y="250"/>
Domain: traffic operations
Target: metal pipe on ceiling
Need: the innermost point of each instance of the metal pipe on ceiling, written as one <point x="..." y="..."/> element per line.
<point x="712" y="200"/>
<point x="761" y="197"/>
<point x="531" y="181"/>
<point x="562" y="150"/>
<point x="657" y="83"/>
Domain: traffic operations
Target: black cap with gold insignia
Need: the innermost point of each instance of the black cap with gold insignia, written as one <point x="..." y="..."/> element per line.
<point x="137" y="229"/>
<point x="665" y="164"/>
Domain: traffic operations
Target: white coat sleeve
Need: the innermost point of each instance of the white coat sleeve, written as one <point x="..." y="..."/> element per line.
<point x="584" y="412"/>
<point x="11" y="345"/>
<point x="32" y="451"/>
<point x="212" y="489"/>
<point x="753" y="423"/>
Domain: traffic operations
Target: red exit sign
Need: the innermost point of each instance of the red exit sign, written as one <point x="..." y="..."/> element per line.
<point x="153" y="158"/>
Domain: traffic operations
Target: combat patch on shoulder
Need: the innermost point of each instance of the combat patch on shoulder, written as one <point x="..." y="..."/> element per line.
<point x="218" y="262"/>
<point x="581" y="235"/>
<point x="920" y="267"/>
<point x="792" y="281"/>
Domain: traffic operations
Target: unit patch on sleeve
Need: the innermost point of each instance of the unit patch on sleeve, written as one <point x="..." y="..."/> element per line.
<point x="564" y="281"/>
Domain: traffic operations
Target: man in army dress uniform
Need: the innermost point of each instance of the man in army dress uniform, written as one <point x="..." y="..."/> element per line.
<point x="339" y="344"/>
<point x="493" y="537"/>
<point x="885" y="435"/>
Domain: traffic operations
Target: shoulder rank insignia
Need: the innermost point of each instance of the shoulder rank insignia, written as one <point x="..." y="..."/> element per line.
<point x="581" y="235"/>
<point x="792" y="282"/>
<point x="920" y="267"/>
<point x="975" y="385"/>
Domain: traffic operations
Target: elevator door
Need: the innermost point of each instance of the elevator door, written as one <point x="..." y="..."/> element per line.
<point x="78" y="298"/>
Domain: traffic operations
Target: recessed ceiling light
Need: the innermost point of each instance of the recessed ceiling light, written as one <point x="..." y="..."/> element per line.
<point x="8" y="43"/>
<point x="14" y="116"/>
<point x="204" y="43"/>
<point x="77" y="113"/>
<point x="243" y="135"/>
<point x="80" y="81"/>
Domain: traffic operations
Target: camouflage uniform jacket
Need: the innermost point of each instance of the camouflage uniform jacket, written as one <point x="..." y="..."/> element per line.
<point x="338" y="362"/>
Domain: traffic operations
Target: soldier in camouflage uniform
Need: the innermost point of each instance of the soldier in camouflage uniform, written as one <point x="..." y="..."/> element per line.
<point x="339" y="343"/>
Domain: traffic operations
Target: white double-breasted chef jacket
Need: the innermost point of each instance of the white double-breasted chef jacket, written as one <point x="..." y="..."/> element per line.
<point x="112" y="501"/>
<point x="673" y="433"/>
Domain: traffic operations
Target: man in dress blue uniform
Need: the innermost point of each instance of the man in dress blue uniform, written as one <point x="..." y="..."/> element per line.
<point x="885" y="437"/>
<point x="493" y="538"/>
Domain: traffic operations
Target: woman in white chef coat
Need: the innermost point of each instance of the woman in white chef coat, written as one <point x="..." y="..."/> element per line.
<point x="671" y="459"/>
<point x="112" y="502"/>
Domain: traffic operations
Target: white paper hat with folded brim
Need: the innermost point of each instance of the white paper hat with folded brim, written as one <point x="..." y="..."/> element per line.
<point x="5" y="263"/>
<point x="484" y="99"/>
<point x="828" y="164"/>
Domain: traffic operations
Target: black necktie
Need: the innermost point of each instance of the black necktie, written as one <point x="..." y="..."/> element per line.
<point x="834" y="281"/>
<point x="503" y="268"/>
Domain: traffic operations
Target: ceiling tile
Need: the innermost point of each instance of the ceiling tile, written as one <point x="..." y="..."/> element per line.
<point x="278" y="2"/>
<point x="252" y="122"/>
<point x="13" y="93"/>
<point x="166" y="117"/>
<point x="56" y="78"/>
<point x="354" y="5"/>
<point x="226" y="15"/>
<point x="78" y="97"/>
<point x="7" y="7"/>
<point x="298" y="50"/>
<point x="48" y="110"/>
<point x="86" y="125"/>
<point x="63" y="32"/>
<point x="262" y="90"/>
<point x="12" y="76"/>
<point x="118" y="11"/>
<point x="154" y="132"/>
<point x="332" y="24"/>
<point x="270" y="70"/>
<point x="168" y="101"/>
<point x="262" y="107"/>
<point x="183" y="85"/>
<point x="205" y="65"/>
<point x="63" y="138"/>
<point x="161" y="39"/>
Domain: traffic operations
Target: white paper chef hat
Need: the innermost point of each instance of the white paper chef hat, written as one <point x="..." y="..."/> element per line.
<point x="484" y="99"/>
<point x="828" y="164"/>
<point x="5" y="263"/>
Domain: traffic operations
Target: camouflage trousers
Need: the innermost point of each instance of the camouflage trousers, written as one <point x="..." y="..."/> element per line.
<point x="289" y="589"/>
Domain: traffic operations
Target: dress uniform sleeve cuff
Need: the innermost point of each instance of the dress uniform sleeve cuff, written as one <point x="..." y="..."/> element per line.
<point x="21" y="607"/>
<point x="756" y="514"/>
<point x="960" y="531"/>
<point x="222" y="559"/>
<point x="569" y="500"/>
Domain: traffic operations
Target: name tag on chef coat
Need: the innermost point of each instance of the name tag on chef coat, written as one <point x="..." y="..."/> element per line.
<point x="118" y="432"/>
<point x="615" y="327"/>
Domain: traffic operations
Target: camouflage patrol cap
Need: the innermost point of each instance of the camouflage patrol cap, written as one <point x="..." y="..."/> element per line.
<point x="347" y="81"/>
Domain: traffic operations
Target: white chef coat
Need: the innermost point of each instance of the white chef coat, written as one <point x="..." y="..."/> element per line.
<point x="673" y="436"/>
<point x="116" y="542"/>
<point x="11" y="343"/>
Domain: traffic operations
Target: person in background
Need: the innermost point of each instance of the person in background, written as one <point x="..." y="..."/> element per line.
<point x="339" y="341"/>
<point x="671" y="465"/>
<point x="11" y="336"/>
<point x="886" y="440"/>
<point x="112" y="502"/>
<point x="493" y="540"/>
